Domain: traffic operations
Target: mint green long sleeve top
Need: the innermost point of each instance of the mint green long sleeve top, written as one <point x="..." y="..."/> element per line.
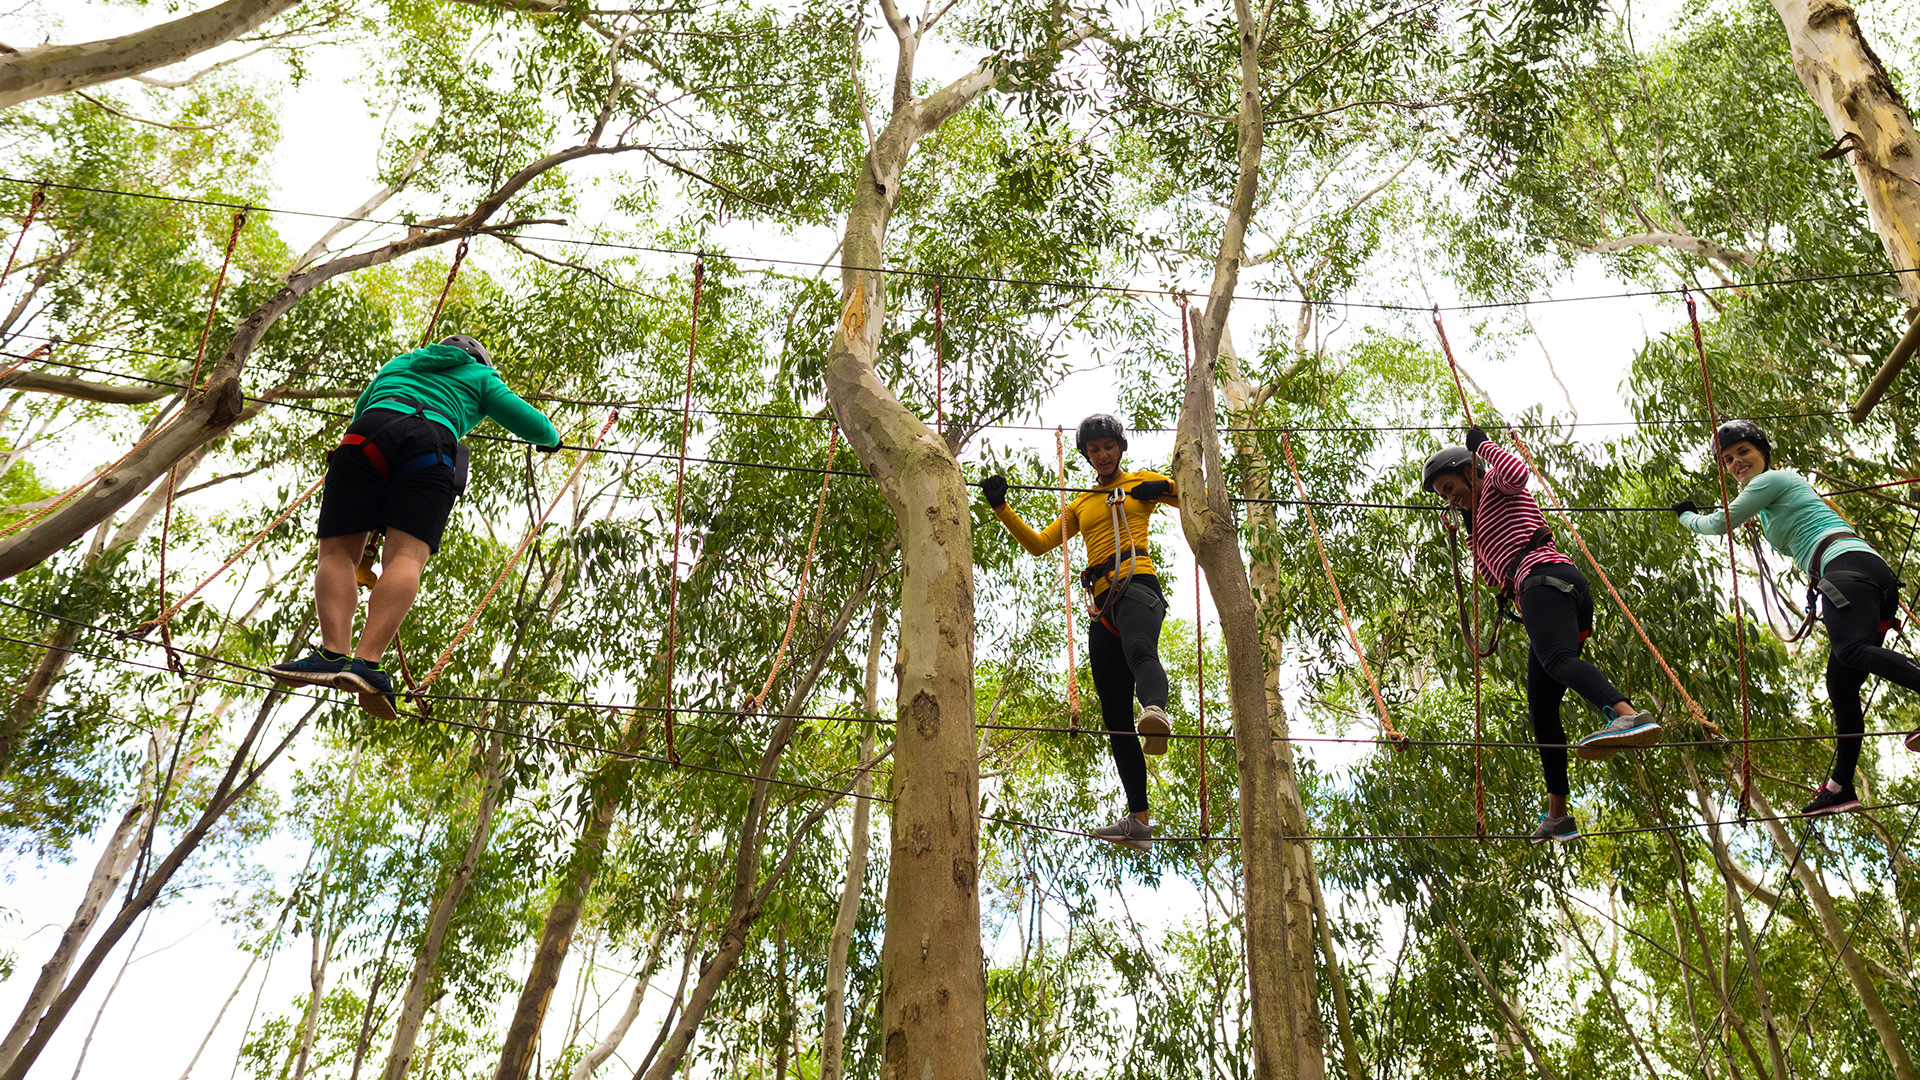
<point x="1792" y="515"/>
<point x="456" y="391"/>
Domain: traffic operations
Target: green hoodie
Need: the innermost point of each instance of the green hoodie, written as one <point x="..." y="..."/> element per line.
<point x="456" y="391"/>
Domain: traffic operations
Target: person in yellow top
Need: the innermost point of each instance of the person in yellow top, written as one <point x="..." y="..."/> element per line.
<point x="1124" y="604"/>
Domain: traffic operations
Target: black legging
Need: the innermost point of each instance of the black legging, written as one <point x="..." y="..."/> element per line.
<point x="1554" y="620"/>
<point x="1854" y="650"/>
<point x="1121" y="663"/>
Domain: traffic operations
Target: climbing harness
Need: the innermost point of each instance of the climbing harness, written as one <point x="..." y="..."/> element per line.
<point x="1733" y="567"/>
<point x="1398" y="741"/>
<point x="1066" y="586"/>
<point x="680" y="497"/>
<point x="806" y="570"/>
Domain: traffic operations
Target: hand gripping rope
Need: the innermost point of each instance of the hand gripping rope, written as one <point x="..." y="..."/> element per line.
<point x="1394" y="738"/>
<point x="806" y="570"/>
<point x="1066" y="587"/>
<point x="580" y="463"/>
<point x="193" y="387"/>
<point x="1472" y="632"/>
<point x="679" y="498"/>
<point x="1733" y="567"/>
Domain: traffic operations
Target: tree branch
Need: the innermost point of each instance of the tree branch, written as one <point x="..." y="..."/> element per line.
<point x="57" y="69"/>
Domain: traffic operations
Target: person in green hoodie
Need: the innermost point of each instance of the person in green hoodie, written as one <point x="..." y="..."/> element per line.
<point x="399" y="469"/>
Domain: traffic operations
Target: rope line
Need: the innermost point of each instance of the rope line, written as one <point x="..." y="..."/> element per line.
<point x="1733" y="565"/>
<point x="680" y="495"/>
<point x="1473" y="573"/>
<point x="1387" y="731"/>
<point x="988" y="279"/>
<point x="554" y="741"/>
<point x="446" y="654"/>
<point x="1066" y="589"/>
<point x="37" y="200"/>
<point x="173" y="609"/>
<point x="800" y="592"/>
<point x="453" y="271"/>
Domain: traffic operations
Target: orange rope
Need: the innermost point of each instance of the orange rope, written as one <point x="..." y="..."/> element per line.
<point x="33" y="210"/>
<point x="459" y="256"/>
<point x="159" y="620"/>
<point x="679" y="499"/>
<point x="1473" y="576"/>
<point x="446" y="655"/>
<point x="1387" y="731"/>
<point x="1733" y="566"/>
<point x="76" y="489"/>
<point x="193" y="383"/>
<point x="806" y="570"/>
<point x="1066" y="587"/>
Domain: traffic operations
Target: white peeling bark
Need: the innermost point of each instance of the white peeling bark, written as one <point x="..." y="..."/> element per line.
<point x="57" y="69"/>
<point x="1851" y="88"/>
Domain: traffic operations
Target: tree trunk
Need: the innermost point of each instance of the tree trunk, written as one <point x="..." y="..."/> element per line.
<point x="1286" y="1033"/>
<point x="1853" y="91"/>
<point x="833" y="1027"/>
<point x="604" y="1048"/>
<point x="1838" y="938"/>
<point x="57" y="69"/>
<point x="317" y="980"/>
<point x="933" y="995"/>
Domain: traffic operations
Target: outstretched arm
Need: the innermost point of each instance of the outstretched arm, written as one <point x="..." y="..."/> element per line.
<point x="1755" y="497"/>
<point x="510" y="412"/>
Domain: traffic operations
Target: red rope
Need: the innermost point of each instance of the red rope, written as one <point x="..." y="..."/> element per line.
<point x="1467" y="602"/>
<point x="1066" y="588"/>
<point x="1387" y="731"/>
<point x="1733" y="566"/>
<point x="446" y="654"/>
<point x="193" y="384"/>
<point x="161" y="619"/>
<point x="806" y="570"/>
<point x="1473" y="575"/>
<point x="940" y="369"/>
<point x="679" y="497"/>
<point x="33" y="210"/>
<point x="459" y="256"/>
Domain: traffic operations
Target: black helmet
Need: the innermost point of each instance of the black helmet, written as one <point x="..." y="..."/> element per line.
<point x="1738" y="431"/>
<point x="469" y="346"/>
<point x="1448" y="459"/>
<point x="1099" y="426"/>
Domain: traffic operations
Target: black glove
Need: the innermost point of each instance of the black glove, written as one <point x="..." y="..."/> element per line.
<point x="1476" y="438"/>
<point x="1685" y="506"/>
<point x="1149" y="490"/>
<point x="994" y="489"/>
<point x="550" y="449"/>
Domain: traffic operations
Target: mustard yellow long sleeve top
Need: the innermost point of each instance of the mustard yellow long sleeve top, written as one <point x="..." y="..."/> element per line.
<point x="1087" y="516"/>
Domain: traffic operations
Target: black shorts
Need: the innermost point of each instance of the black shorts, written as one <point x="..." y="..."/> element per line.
<point x="412" y="487"/>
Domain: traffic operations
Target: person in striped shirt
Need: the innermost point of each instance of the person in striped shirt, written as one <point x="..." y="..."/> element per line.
<point x="1515" y="553"/>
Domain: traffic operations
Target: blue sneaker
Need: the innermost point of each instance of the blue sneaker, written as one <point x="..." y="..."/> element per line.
<point x="374" y="686"/>
<point x="310" y="670"/>
<point x="1635" y="729"/>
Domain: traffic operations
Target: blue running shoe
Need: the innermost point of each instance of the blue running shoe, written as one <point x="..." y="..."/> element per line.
<point x="1635" y="729"/>
<point x="374" y="686"/>
<point x="312" y="669"/>
<point x="1558" y="829"/>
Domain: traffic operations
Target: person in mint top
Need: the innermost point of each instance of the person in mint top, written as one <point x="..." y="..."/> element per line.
<point x="1861" y="596"/>
<point x="399" y="469"/>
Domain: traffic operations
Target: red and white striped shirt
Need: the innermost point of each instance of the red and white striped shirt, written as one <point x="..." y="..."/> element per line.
<point x="1506" y="520"/>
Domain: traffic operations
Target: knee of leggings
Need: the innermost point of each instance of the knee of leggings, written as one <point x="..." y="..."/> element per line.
<point x="1849" y="652"/>
<point x="1554" y="660"/>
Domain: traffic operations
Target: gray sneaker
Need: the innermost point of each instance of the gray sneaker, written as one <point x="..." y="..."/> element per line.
<point x="1635" y="729"/>
<point x="1558" y="829"/>
<point x="1154" y="729"/>
<point x="1127" y="830"/>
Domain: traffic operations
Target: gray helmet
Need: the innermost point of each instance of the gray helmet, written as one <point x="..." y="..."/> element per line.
<point x="1099" y="426"/>
<point x="469" y="346"/>
<point x="1739" y="431"/>
<point x="1448" y="459"/>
